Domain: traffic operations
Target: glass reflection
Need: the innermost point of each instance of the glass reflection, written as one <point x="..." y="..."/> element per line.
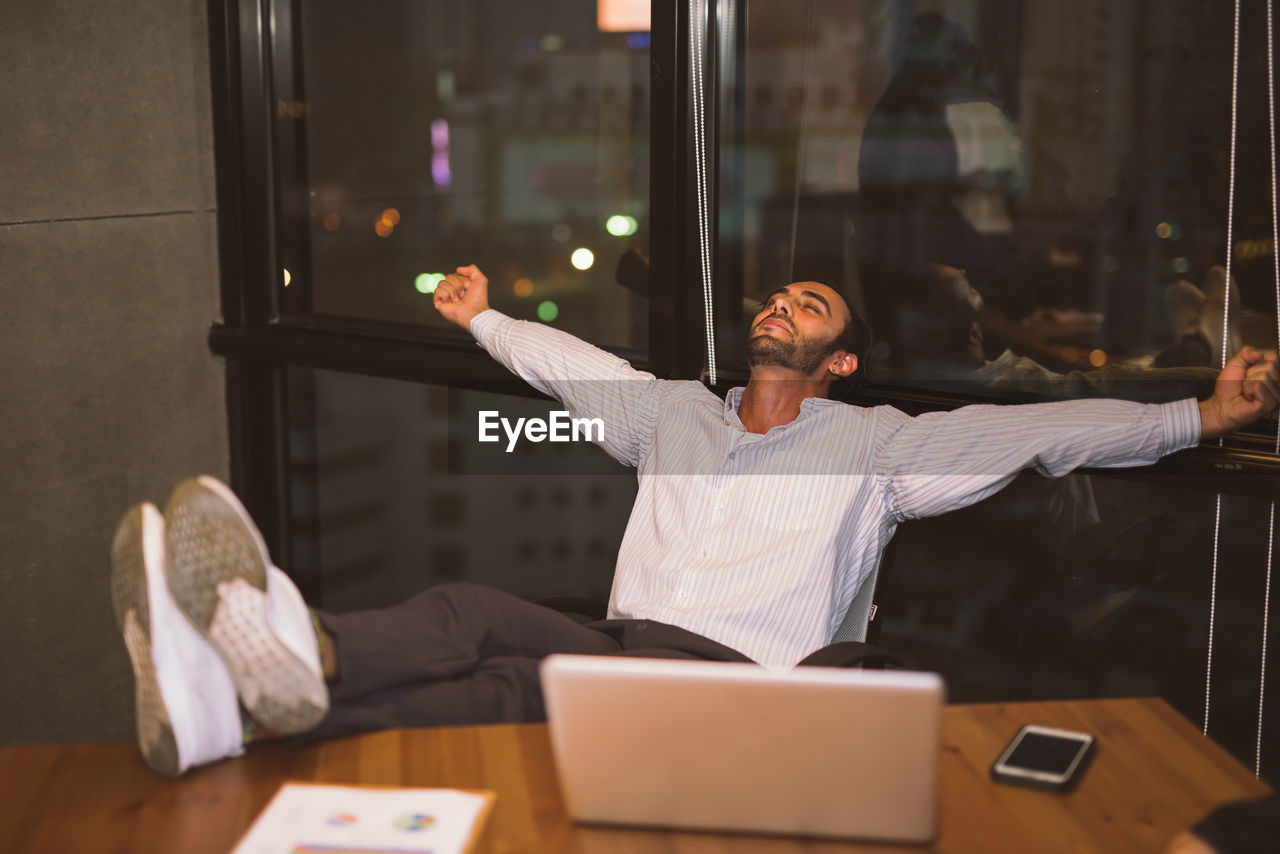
<point x="391" y="494"/>
<point x="1026" y="199"/>
<point x="1068" y="160"/>
<point x="500" y="133"/>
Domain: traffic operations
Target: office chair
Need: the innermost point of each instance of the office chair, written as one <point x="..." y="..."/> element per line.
<point x="849" y="645"/>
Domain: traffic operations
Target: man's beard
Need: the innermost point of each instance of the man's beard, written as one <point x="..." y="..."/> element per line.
<point x="805" y="356"/>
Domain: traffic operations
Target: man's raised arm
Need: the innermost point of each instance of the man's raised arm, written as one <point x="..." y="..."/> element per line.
<point x="590" y="382"/>
<point x="941" y="461"/>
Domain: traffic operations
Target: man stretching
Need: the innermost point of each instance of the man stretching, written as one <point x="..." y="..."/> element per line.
<point x="756" y="521"/>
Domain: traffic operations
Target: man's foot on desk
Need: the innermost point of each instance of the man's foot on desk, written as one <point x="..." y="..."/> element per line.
<point x="184" y="699"/>
<point x="222" y="578"/>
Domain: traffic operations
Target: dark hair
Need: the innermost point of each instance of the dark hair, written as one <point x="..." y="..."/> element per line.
<point x="855" y="338"/>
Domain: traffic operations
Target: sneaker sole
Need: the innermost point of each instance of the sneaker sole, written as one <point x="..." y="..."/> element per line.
<point x="133" y="616"/>
<point x="217" y="572"/>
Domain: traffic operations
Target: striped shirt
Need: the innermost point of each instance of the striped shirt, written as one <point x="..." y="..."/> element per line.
<point x="761" y="542"/>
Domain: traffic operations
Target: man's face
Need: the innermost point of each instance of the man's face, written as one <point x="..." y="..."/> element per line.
<point x="796" y="327"/>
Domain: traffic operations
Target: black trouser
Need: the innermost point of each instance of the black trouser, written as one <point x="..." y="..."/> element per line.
<point x="465" y="654"/>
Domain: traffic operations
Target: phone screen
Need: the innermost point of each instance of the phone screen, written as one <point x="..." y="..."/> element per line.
<point x="1047" y="753"/>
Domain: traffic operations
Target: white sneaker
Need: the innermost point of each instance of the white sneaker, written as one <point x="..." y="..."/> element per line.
<point x="221" y="576"/>
<point x="184" y="699"/>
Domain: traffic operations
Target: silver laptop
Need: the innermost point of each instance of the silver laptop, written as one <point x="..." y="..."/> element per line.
<point x="739" y="748"/>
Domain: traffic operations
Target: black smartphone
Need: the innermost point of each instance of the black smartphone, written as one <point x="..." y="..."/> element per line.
<point x="1044" y="758"/>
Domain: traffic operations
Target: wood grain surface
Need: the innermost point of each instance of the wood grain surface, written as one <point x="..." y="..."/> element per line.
<point x="1153" y="774"/>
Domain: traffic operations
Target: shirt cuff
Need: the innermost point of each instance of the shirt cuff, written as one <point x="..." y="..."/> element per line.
<point x="484" y="324"/>
<point x="1181" y="424"/>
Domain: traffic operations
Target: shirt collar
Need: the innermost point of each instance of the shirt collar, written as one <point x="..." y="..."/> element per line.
<point x="733" y="400"/>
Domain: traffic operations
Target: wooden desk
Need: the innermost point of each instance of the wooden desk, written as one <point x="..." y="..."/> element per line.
<point x="1154" y="773"/>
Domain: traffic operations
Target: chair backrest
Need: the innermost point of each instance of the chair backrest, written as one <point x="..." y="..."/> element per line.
<point x="855" y="625"/>
<point x="858" y="624"/>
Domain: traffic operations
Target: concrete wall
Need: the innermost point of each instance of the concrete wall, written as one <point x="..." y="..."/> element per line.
<point x="108" y="284"/>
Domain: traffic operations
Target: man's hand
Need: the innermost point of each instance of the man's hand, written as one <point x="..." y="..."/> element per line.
<point x="1247" y="389"/>
<point x="462" y="295"/>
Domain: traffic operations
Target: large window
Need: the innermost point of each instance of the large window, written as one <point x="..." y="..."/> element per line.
<point x="1024" y="198"/>
<point x="506" y="134"/>
<point x="1010" y="191"/>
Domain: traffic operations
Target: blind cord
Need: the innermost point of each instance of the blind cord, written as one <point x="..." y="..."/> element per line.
<point x="1226" y="313"/>
<point x="1275" y="242"/>
<point x="801" y="140"/>
<point x="697" y="47"/>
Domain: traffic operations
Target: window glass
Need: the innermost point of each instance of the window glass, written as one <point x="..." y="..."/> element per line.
<point x="1089" y="586"/>
<point x="1062" y="167"/>
<point x="508" y="134"/>
<point x="1081" y="586"/>
<point x="391" y="494"/>
<point x="1011" y="192"/>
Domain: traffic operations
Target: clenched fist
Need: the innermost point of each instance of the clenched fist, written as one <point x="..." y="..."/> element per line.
<point x="1247" y="389"/>
<point x="462" y="295"/>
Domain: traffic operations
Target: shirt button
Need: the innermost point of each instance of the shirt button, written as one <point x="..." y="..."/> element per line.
<point x="702" y="554"/>
<point x="720" y="506"/>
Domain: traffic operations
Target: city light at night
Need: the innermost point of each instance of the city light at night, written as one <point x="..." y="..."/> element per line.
<point x="620" y="225"/>
<point x="426" y="283"/>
